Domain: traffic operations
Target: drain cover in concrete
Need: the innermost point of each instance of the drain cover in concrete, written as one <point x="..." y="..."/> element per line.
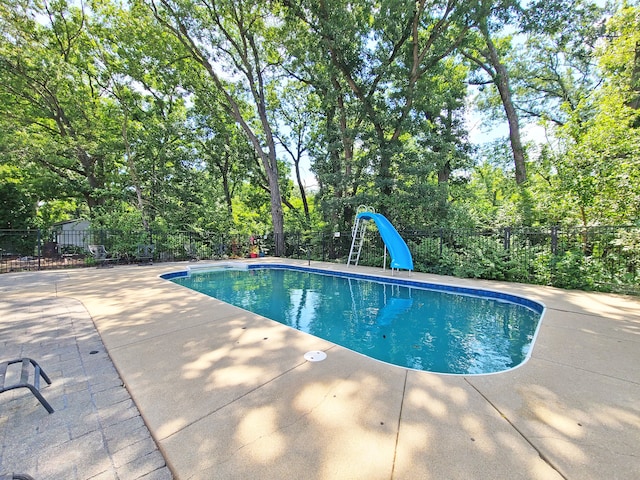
<point x="315" y="356"/>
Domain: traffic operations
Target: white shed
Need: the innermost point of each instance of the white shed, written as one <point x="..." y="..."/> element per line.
<point x="72" y="234"/>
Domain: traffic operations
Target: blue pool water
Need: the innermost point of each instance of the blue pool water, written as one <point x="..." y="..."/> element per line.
<point x="410" y="324"/>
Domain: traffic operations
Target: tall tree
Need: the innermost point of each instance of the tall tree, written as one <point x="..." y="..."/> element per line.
<point x="373" y="65"/>
<point x="297" y="107"/>
<point x="144" y="74"/>
<point x="231" y="41"/>
<point x="223" y="147"/>
<point x="554" y="70"/>
<point x="600" y="158"/>
<point x="488" y="53"/>
<point x="336" y="129"/>
<point x="50" y="93"/>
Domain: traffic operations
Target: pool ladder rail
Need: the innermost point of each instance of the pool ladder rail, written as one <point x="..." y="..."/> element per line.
<point x="358" y="232"/>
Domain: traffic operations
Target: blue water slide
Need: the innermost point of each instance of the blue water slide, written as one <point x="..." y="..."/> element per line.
<point x="398" y="249"/>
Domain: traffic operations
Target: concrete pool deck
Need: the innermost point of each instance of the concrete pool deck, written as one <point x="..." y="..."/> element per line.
<point x="227" y="394"/>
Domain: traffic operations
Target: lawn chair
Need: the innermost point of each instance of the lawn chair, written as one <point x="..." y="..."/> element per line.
<point x="101" y="256"/>
<point x="144" y="254"/>
<point x="23" y="382"/>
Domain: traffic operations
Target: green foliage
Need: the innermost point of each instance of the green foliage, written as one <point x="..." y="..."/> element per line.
<point x="602" y="259"/>
<point x="50" y="106"/>
<point x="572" y="269"/>
<point x="431" y="257"/>
<point x="16" y="209"/>
<point x="480" y="260"/>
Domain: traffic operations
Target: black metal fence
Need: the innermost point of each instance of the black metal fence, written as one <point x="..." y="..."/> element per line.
<point x="24" y="250"/>
<point x="594" y="258"/>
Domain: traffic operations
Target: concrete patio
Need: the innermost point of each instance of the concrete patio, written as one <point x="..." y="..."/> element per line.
<point x="228" y="395"/>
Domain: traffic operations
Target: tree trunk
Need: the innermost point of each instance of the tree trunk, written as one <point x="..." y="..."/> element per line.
<point x="277" y="214"/>
<point x="303" y="194"/>
<point x="444" y="173"/>
<point x="133" y="172"/>
<point x="502" y="82"/>
<point x="226" y="187"/>
<point x="634" y="101"/>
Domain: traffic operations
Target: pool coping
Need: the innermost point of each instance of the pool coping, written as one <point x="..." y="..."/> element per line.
<point x="235" y="398"/>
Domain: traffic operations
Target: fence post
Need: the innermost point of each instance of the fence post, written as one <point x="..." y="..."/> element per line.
<point x="507" y="238"/>
<point x="554" y="240"/>
<point x="441" y="240"/>
<point x="39" y="247"/>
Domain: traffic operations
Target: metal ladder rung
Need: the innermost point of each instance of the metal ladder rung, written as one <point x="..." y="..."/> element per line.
<point x="357" y="233"/>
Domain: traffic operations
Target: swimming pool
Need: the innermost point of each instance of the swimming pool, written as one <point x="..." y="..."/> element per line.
<point x="436" y="328"/>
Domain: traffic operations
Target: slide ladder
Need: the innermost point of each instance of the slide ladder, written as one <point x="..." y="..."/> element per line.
<point x="358" y="232"/>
